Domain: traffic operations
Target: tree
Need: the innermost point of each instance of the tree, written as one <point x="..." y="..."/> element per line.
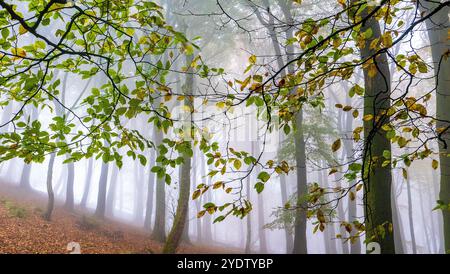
<point x="150" y="195"/>
<point x="159" y="228"/>
<point x="248" y="236"/>
<point x="51" y="195"/>
<point x="437" y="27"/>
<point x="186" y="152"/>
<point x="87" y="183"/>
<point x="111" y="193"/>
<point x="377" y="179"/>
<point x="101" y="195"/>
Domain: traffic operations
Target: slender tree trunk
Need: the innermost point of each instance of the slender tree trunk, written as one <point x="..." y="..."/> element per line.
<point x="248" y="240"/>
<point x="87" y="184"/>
<point x="437" y="27"/>
<point x="440" y="225"/>
<point x="330" y="230"/>
<point x="300" y="246"/>
<point x="101" y="197"/>
<point x="260" y="199"/>
<point x="111" y="194"/>
<point x="150" y="191"/>
<point x="69" y="187"/>
<point x="180" y="219"/>
<point x="174" y="237"/>
<point x="397" y="221"/>
<point x="425" y="222"/>
<point x="284" y="199"/>
<point x="159" y="228"/>
<point x="51" y="196"/>
<point x="341" y="215"/>
<point x="377" y="179"/>
<point x="434" y="234"/>
<point x="355" y="243"/>
<point x="410" y="218"/>
<point x="25" y="177"/>
<point x="139" y="193"/>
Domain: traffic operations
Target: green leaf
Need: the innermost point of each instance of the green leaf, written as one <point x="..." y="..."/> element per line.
<point x="259" y="187"/>
<point x="237" y="164"/>
<point x="219" y="219"/>
<point x="142" y="159"/>
<point x="264" y="176"/>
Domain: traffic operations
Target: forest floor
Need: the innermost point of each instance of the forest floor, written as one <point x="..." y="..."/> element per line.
<point x="23" y="230"/>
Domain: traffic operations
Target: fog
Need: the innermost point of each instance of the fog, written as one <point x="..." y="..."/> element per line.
<point x="228" y="34"/>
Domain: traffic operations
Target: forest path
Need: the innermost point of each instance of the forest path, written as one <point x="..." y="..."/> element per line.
<point x="23" y="230"/>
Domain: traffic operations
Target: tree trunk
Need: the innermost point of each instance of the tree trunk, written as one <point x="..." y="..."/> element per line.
<point x="437" y="27"/>
<point x="179" y="222"/>
<point x="397" y="222"/>
<point x="425" y="222"/>
<point x="355" y="243"/>
<point x="284" y="199"/>
<point x="377" y="179"/>
<point x="69" y="186"/>
<point x="87" y="184"/>
<point x="261" y="231"/>
<point x="25" y="177"/>
<point x="150" y="190"/>
<point x="200" y="199"/>
<point x="248" y="240"/>
<point x="51" y="196"/>
<point x="180" y="218"/>
<point x="330" y="230"/>
<point x="111" y="194"/>
<point x="410" y="218"/>
<point x="139" y="194"/>
<point x="430" y="204"/>
<point x="159" y="228"/>
<point x="300" y="246"/>
<point x="440" y="225"/>
<point x="101" y="197"/>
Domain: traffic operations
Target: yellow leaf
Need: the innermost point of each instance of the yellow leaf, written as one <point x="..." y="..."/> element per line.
<point x="332" y="171"/>
<point x="368" y="117"/>
<point x="217" y="185"/>
<point x="201" y="213"/>
<point x="22" y="30"/>
<point x="352" y="195"/>
<point x="196" y="194"/>
<point x="336" y="145"/>
<point x="220" y="104"/>
<point x="358" y="188"/>
<point x="435" y="164"/>
<point x="347" y="108"/>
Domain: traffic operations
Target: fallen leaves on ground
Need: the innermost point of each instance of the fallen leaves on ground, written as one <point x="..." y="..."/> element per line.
<point x="32" y="234"/>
